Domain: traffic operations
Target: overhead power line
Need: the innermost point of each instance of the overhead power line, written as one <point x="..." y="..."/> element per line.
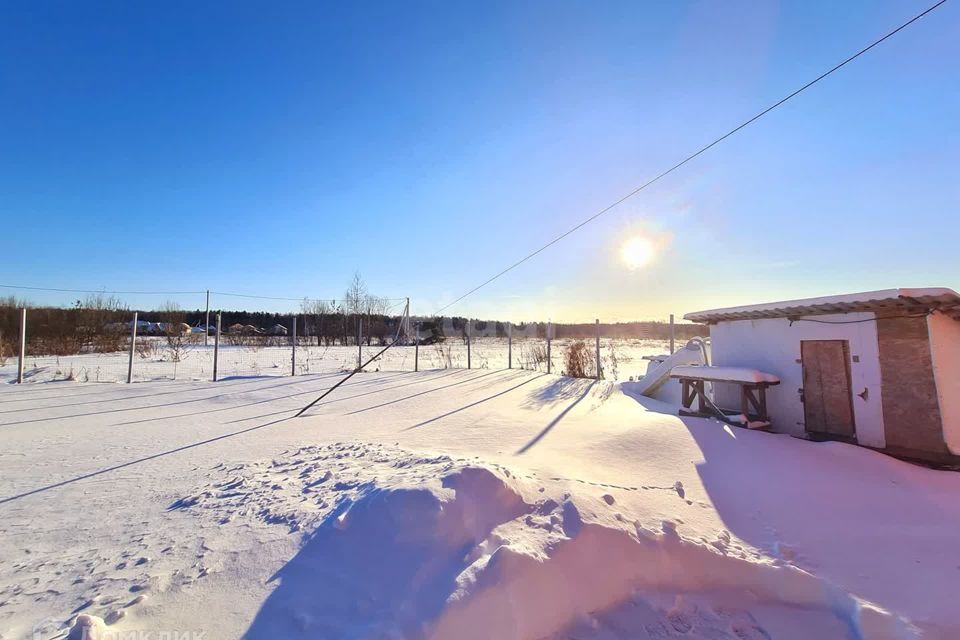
<point x="179" y="293"/>
<point x="248" y="295"/>
<point x="692" y="156"/>
<point x="130" y="293"/>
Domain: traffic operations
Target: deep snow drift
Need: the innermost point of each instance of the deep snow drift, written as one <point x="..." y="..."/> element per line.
<point x="455" y="551"/>
<point x="452" y="504"/>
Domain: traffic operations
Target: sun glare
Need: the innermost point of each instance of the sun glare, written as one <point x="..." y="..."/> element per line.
<point x="638" y="252"/>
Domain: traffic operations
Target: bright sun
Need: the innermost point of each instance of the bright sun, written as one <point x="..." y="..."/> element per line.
<point x="638" y="252"/>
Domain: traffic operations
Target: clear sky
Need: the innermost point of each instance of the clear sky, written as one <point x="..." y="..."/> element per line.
<point x="277" y="147"/>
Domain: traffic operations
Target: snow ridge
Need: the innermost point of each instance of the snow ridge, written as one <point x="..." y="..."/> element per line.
<point x="396" y="544"/>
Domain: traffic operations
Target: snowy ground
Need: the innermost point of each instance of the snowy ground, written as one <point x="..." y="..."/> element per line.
<point x="621" y="358"/>
<point x="452" y="504"/>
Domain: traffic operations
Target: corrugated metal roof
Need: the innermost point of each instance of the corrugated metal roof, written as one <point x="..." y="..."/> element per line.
<point x="894" y="301"/>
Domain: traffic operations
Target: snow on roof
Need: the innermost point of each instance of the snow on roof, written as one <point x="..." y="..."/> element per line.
<point x="730" y="374"/>
<point x="923" y="299"/>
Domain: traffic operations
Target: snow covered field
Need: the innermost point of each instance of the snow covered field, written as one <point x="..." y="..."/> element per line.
<point x="621" y="359"/>
<point x="452" y="504"/>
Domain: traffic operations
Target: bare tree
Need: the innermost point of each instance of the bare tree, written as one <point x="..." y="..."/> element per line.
<point x="355" y="297"/>
<point x="376" y="305"/>
<point x="376" y="309"/>
<point x="101" y="302"/>
<point x="315" y="312"/>
<point x="312" y="307"/>
<point x="176" y="331"/>
<point x="100" y="322"/>
<point x="13" y="302"/>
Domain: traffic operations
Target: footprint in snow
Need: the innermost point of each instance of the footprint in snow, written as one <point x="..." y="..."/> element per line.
<point x="680" y="621"/>
<point x="749" y="632"/>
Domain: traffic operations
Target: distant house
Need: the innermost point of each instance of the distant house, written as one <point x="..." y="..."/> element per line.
<point x="118" y="327"/>
<point x="881" y="368"/>
<point x="168" y="328"/>
<point x="277" y="330"/>
<point x="143" y="326"/>
<point x="235" y="328"/>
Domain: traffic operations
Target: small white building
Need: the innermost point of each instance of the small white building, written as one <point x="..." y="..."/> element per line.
<point x="880" y="368"/>
<point x="277" y="330"/>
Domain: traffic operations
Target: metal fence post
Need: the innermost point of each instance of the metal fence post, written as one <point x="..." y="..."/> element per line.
<point x="133" y="347"/>
<point x="359" y="341"/>
<point x="598" y="349"/>
<point x="206" y="322"/>
<point x="293" y="355"/>
<point x="23" y="344"/>
<point x="416" y="350"/>
<point x="671" y="333"/>
<point x="549" y="335"/>
<point x="509" y="345"/>
<point x="469" y="364"/>
<point x="216" y="348"/>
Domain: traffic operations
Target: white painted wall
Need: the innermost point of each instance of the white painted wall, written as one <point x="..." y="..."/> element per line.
<point x="773" y="346"/>
<point x="945" y="351"/>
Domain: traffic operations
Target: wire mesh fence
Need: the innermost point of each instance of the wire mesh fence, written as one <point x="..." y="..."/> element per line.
<point x="99" y="340"/>
<point x="154" y="358"/>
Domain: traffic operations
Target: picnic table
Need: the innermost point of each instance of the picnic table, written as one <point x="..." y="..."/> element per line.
<point x="753" y="392"/>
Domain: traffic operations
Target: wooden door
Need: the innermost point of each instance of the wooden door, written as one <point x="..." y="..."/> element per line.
<point x="827" y="402"/>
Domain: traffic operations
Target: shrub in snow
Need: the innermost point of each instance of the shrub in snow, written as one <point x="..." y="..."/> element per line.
<point x="579" y="361"/>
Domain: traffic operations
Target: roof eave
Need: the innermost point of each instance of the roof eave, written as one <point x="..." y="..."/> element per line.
<point x="921" y="301"/>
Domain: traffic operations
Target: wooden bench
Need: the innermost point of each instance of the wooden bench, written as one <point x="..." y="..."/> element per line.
<point x="753" y="392"/>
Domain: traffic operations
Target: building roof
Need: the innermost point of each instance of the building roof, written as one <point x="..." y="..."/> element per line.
<point x="894" y="301"/>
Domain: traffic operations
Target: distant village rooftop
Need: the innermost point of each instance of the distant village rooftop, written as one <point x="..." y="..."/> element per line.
<point x="887" y="300"/>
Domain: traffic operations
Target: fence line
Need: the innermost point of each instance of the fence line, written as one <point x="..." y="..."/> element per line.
<point x="108" y="356"/>
<point x="216" y="348"/>
<point x="23" y="345"/>
<point x="133" y="347"/>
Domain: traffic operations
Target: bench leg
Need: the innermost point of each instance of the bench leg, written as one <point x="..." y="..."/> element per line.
<point x="763" y="404"/>
<point x="758" y="401"/>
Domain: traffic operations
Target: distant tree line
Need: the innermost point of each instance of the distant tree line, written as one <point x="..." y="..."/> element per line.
<point x="442" y="327"/>
<point x="100" y="323"/>
<point x="341" y="321"/>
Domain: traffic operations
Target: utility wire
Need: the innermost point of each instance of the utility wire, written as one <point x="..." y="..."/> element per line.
<point x="398" y="338"/>
<point x="247" y="295"/>
<point x="176" y="293"/>
<point x="873" y="319"/>
<point x="166" y="293"/>
<point x="693" y="155"/>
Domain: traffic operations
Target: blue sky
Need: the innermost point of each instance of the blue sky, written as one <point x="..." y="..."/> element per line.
<point x="276" y="148"/>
